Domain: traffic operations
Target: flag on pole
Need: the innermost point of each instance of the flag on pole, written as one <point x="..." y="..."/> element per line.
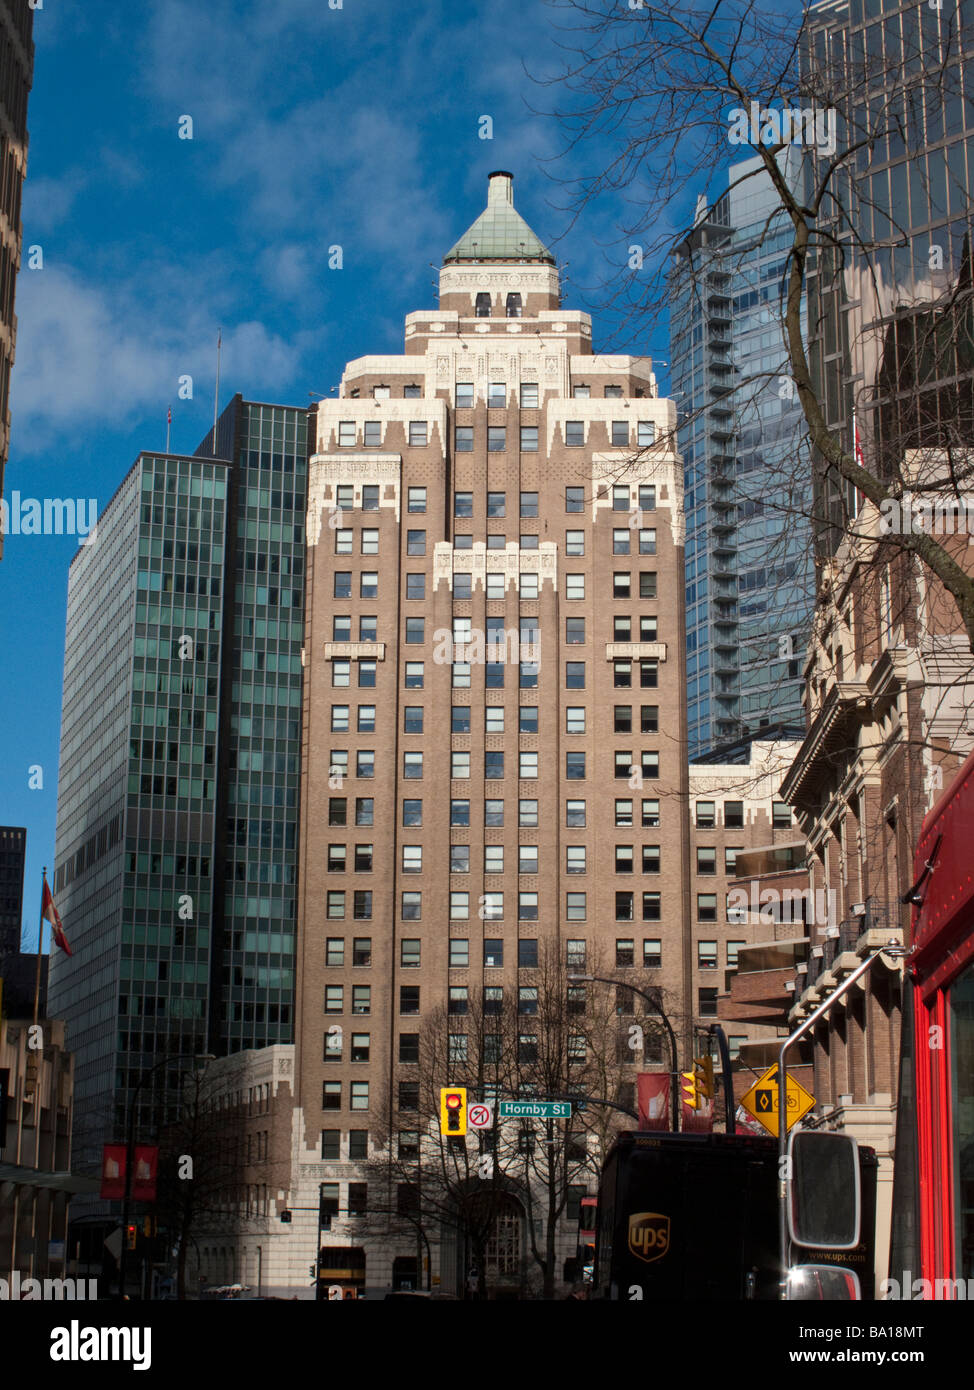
<point x="50" y="912"/>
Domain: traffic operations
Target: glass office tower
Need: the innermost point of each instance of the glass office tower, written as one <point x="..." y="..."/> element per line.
<point x="748" y="569"/>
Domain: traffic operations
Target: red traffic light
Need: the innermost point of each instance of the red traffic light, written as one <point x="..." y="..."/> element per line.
<point x="453" y="1101"/>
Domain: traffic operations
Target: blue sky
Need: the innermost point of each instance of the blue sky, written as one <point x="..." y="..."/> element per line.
<point x="312" y="126"/>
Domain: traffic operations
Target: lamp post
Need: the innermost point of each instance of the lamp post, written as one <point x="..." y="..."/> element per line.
<point x="657" y="1007"/>
<point x="130" y="1153"/>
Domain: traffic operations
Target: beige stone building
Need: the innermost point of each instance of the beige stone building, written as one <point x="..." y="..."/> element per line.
<point x="494" y="736"/>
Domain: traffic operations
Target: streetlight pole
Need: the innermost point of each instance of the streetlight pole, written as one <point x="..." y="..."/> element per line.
<point x="656" y="1007"/>
<point x="892" y="948"/>
<point x="130" y="1155"/>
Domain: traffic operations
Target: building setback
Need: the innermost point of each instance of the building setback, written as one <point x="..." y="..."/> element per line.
<point x="177" y="799"/>
<point x="16" y="75"/>
<point x="494" y="738"/>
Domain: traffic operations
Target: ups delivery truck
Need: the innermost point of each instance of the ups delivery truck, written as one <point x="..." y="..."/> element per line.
<point x="684" y="1216"/>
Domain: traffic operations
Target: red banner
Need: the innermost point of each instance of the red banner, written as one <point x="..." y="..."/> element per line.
<point x="653" y="1092"/>
<point x="113" y="1172"/>
<point x="697" y="1121"/>
<point x="143" y="1177"/>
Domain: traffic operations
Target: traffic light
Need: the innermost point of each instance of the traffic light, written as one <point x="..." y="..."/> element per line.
<point x="453" y="1110"/>
<point x="705" y="1076"/>
<point x="131" y="1234"/>
<point x="688" y="1089"/>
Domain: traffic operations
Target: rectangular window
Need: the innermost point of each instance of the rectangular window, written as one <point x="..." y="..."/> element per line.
<point x="459" y="907"/>
<point x="358" y="1143"/>
<point x="652" y="911"/>
<point x="331" y="1144"/>
<point x="366" y="719"/>
<point x="344" y="542"/>
<point x="337" y="810"/>
<point x="622" y="675"/>
<point x="574" y="499"/>
<point x="650" y="859"/>
<point x="493" y="764"/>
<point x="574" y="675"/>
<point x="624" y="858"/>
<point x="463" y="439"/>
<point x="647" y="498"/>
<point x="412" y="719"/>
<point x="412" y="812"/>
<point x="346" y="436"/>
<point x="459" y="764"/>
<point x="459" y="953"/>
<point x="492" y="906"/>
<point x="620" y="438"/>
<point x="496" y="395"/>
<point x="365" y="762"/>
<point x="647" y="541"/>
<point x="527" y="907"/>
<point x="647" y="629"/>
<point x="360" y="1047"/>
<point x="575" y="813"/>
<point x="575" y="719"/>
<point x="527" y="999"/>
<point x="529" y="504"/>
<point x="706" y="955"/>
<point x="331" y="1095"/>
<point x="362" y="950"/>
<point x="652" y="953"/>
<point x="625" y="955"/>
<point x="624" y="907"/>
<point x="527" y="953"/>
<point x="343" y="584"/>
<point x="574" y="630"/>
<point x="622" y="762"/>
<point x="527" y="811"/>
<point x="457" y="1000"/>
<point x="412" y="859"/>
<point x="575" y="907"/>
<point x="369" y="584"/>
<point x="621" y="584"/>
<point x="574" y="434"/>
<point x="464" y="395"/>
<point x="574" y="542"/>
<point x="529" y="395"/>
<point x="359" y="1095"/>
<point x="575" y="859"/>
<point x="645" y="433"/>
<point x="780" y="815"/>
<point x="339" y="719"/>
<point x="415" y="542"/>
<point x="459" y="859"/>
<point x="529" y="444"/>
<point x="417" y="433"/>
<point x="620" y="540"/>
<point x="705" y="815"/>
<point x="370" y="492"/>
<point x="707" y="1002"/>
<point x="623" y="813"/>
<point x="527" y="859"/>
<point x="364" y="810"/>
<point x="527" y="764"/>
<point x="493" y="953"/>
<point x="412" y="906"/>
<point x="463" y="504"/>
<point x="734" y="814"/>
<point x="416" y="499"/>
<point x="647" y="584"/>
<point x="408" y="1047"/>
<point x="370" y="541"/>
<point x="575" y="957"/>
<point x="496" y="439"/>
<point x="409" y="999"/>
<point x="733" y="947"/>
<point x="706" y="859"/>
<point x="459" y="812"/>
<point x="706" y="907"/>
<point x="363" y="859"/>
<point x="334" y="999"/>
<point x="335" y="951"/>
<point x="373" y="438"/>
<point x="497" y="504"/>
<point x="414" y="675"/>
<point x="575" y="766"/>
<point x="336" y="905"/>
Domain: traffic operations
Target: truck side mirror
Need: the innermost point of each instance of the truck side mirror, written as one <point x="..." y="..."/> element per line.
<point x="826" y="1283"/>
<point x="823" y="1197"/>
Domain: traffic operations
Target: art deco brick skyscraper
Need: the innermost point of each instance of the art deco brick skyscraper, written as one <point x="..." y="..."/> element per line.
<point x="462" y="804"/>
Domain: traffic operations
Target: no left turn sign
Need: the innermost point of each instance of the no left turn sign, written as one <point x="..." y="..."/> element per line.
<point x="480" y="1115"/>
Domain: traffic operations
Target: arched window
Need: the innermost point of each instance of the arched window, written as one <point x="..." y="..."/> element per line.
<point x="483" y="304"/>
<point x="513" y="305"/>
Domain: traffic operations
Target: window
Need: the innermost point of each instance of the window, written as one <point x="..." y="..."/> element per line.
<point x="365" y="762"/>
<point x="366" y="719"/>
<point x="527" y="764"/>
<point x="612" y="392"/>
<point x="344" y="542"/>
<point x="364" y="810"/>
<point x="574" y="630"/>
<point x="513" y="305"/>
<point x="358" y="1201"/>
<point x="652" y="953"/>
<point x="337" y="810"/>
<point x="343" y="584"/>
<point x="575" y="859"/>
<point x="459" y="859"/>
<point x="362" y="950"/>
<point x="457" y="1003"/>
<point x="624" y="907"/>
<point x="463" y="439"/>
<point x="527" y="907"/>
<point x="645" y="433"/>
<point x="414" y="675"/>
<point x="621" y="584"/>
<point x="492" y="907"/>
<point x="575" y="959"/>
<point x="647" y="541"/>
<point x="456" y="1050"/>
<point x="497" y="505"/>
<point x="527" y="811"/>
<point x="706" y="859"/>
<point x="620" y="437"/>
<point x="459" y="907"/>
<point x="380" y="393"/>
<point x="652" y="910"/>
<point x="412" y="812"/>
<point x="412" y="719"/>
<point x="459" y="953"/>
<point x="527" y="953"/>
<point x="620" y="540"/>
<point x="705" y="815"/>
<point x="370" y="541"/>
<point x="412" y="859"/>
<point x="622" y="628"/>
<point x="497" y="395"/>
<point x="707" y="955"/>
<point x="412" y="906"/>
<point x="650" y="859"/>
<point x="647" y="629"/>
<point x="369" y="584"/>
<point x="493" y="952"/>
<point x="527" y="1051"/>
<point x="370" y="492"/>
<point x="528" y="675"/>
<point x="463" y="504"/>
<point x="408" y="1148"/>
<point x="624" y="953"/>
<point x="622" y="762"/>
<point x="417" y="433"/>
<point x="336" y="905"/>
<point x="330" y="1142"/>
<point x="415" y="542"/>
<point x="647" y="584"/>
<point x="730" y="859"/>
<point x="575" y="907"/>
<point x="529" y="504"/>
<point x="373" y="437"/>
<point x="409" y="999"/>
<point x="493" y="764"/>
<point x="527" y="585"/>
<point x="575" y="766"/>
<point x="460" y="675"/>
<point x="331" y="1095"/>
<point x="575" y="589"/>
<point x="706" y="907"/>
<point x="529" y="395"/>
<point x="734" y="814"/>
<point x="496" y="439"/>
<point x="409" y="1047"/>
<point x="780" y="815"/>
<point x="574" y="675"/>
<point x="358" y="1143"/>
<point x="459" y="812"/>
<point x="733" y="947"/>
<point x="707" y="1003"/>
<point x="574" y="433"/>
<point x="574" y="542"/>
<point x="334" y="999"/>
<point x="527" y="859"/>
<point x="363" y="859"/>
<point x="412" y="765"/>
<point x="581" y="392"/>
<point x="527" y="999"/>
<point x="647" y="498"/>
<point x="622" y="675"/>
<point x="574" y="499"/>
<point x="575" y="813"/>
<point x="346" y="437"/>
<point x="366" y="674"/>
<point x="359" y="1095"/>
<point x="335" y="950"/>
<point x="339" y="719"/>
<point x="529" y="445"/>
<point x="341" y="628"/>
<point x="623" y="813"/>
<point x="624" y="858"/>
<point x="416" y="499"/>
<point x="464" y="389"/>
<point x="527" y="719"/>
<point x="360" y="1047"/>
<point x="575" y="719"/>
<point x="494" y="719"/>
<point x="462" y="586"/>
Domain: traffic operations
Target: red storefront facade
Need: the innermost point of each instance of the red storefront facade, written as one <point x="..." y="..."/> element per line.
<point x="942" y="968"/>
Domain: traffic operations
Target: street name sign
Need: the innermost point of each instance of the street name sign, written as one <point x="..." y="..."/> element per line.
<point x="761" y="1101"/>
<point x="535" y="1109"/>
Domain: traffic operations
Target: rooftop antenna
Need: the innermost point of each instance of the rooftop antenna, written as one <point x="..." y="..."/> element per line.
<point x="216" y="393"/>
<point x="168" y="427"/>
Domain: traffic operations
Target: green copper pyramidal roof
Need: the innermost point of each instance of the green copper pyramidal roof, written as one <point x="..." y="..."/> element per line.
<point x="499" y="233"/>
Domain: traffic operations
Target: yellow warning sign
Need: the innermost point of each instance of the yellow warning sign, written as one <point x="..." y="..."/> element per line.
<point x="761" y="1101"/>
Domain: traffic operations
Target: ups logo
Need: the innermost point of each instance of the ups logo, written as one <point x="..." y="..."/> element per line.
<point x="649" y="1235"/>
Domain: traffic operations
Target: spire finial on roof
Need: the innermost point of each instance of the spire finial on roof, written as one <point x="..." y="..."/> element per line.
<point x="500" y="233"/>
